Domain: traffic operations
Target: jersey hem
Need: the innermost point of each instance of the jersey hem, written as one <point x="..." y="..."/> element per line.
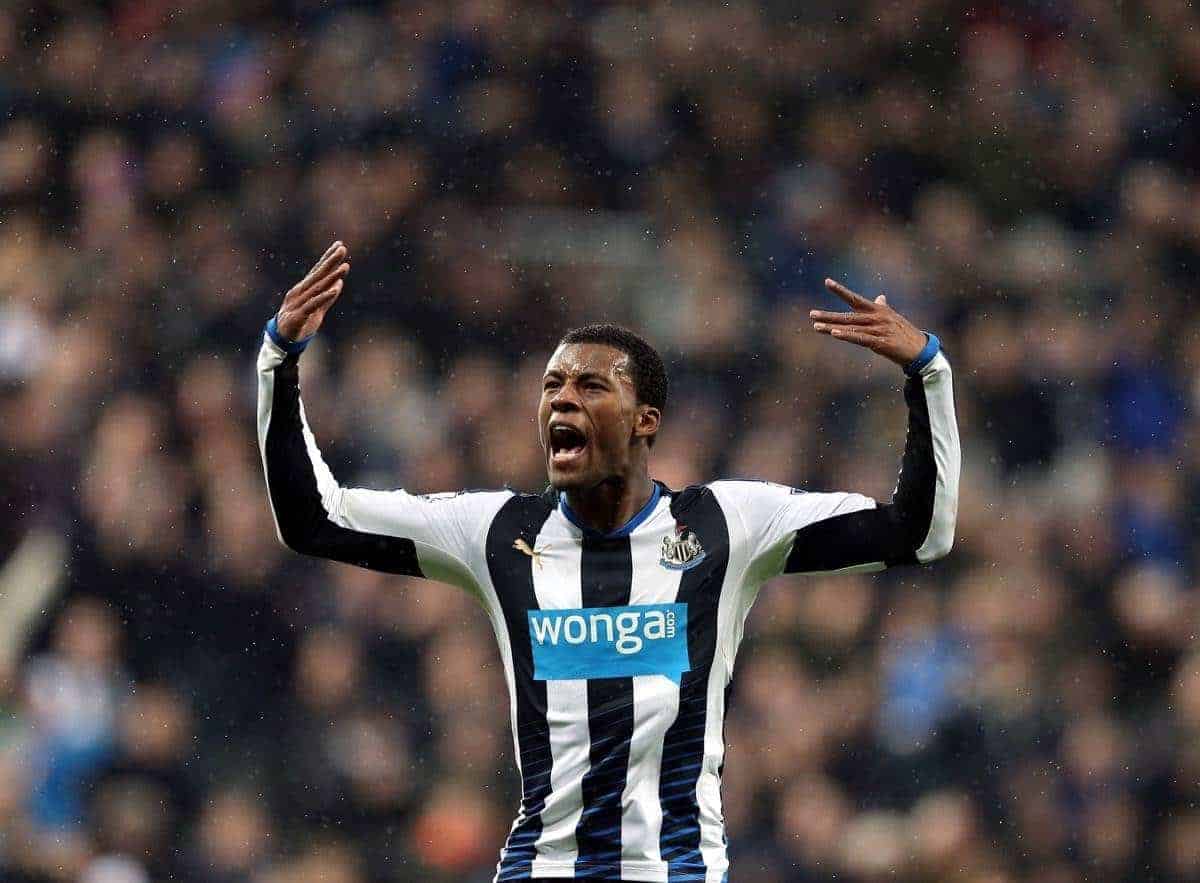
<point x="633" y="871"/>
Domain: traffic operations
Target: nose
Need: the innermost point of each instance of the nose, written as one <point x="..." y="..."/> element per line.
<point x="564" y="399"/>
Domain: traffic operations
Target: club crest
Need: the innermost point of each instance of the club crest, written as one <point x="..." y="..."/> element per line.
<point x="681" y="551"/>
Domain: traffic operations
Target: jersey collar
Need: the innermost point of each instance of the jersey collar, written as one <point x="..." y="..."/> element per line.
<point x="625" y="529"/>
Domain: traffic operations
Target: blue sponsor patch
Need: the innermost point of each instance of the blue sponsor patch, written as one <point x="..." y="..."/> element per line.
<point x="609" y="642"/>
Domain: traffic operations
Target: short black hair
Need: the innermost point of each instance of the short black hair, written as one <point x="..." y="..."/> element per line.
<point x="646" y="365"/>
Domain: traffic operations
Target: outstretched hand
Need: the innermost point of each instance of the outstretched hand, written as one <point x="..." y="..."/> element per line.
<point x="306" y="303"/>
<point x="872" y="324"/>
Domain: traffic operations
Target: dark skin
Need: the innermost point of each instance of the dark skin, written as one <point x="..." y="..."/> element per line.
<point x="588" y="387"/>
<point x="594" y="431"/>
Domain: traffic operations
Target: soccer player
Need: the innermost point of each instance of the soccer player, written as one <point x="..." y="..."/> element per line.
<point x="617" y="603"/>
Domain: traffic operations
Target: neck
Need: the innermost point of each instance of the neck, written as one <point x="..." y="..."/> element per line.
<point x="610" y="504"/>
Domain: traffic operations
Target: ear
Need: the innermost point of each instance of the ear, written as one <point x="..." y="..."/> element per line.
<point x="646" y="423"/>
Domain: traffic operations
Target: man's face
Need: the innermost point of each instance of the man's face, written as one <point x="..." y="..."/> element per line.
<point x="589" y="419"/>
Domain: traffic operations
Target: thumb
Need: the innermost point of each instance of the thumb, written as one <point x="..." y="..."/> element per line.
<point x="882" y="300"/>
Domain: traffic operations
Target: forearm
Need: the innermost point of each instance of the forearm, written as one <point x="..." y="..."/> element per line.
<point x="293" y="476"/>
<point x="917" y="526"/>
<point x="925" y="503"/>
<point x="306" y="500"/>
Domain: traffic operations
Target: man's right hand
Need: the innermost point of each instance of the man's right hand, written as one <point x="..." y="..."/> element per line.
<point x="305" y="304"/>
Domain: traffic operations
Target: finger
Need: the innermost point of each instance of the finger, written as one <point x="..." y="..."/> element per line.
<point x="332" y="258"/>
<point x="336" y="253"/>
<point x="333" y="245"/>
<point x="316" y="277"/>
<point x="317" y="284"/>
<point x="855" y="335"/>
<point x="829" y="326"/>
<point x="328" y="277"/>
<point x="310" y="313"/>
<point x="881" y="300"/>
<point x="308" y="288"/>
<point x="321" y="301"/>
<point x="330" y="248"/>
<point x="840" y="318"/>
<point x="856" y="301"/>
<point x="315" y="268"/>
<point x="837" y="330"/>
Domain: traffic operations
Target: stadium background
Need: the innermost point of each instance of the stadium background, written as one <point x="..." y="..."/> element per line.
<point x="183" y="699"/>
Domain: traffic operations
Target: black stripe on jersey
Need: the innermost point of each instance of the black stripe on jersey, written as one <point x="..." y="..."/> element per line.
<point x="890" y="533"/>
<point x="511" y="571"/>
<point x="683" y="746"/>
<point x="292" y="485"/>
<point x="606" y="576"/>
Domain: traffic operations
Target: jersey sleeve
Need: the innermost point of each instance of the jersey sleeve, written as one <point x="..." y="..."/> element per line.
<point x="793" y="531"/>
<point x="438" y="536"/>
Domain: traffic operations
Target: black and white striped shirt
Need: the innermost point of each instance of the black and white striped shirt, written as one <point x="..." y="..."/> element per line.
<point x="617" y="648"/>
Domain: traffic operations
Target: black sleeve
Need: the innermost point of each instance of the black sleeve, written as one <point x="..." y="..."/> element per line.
<point x="294" y="473"/>
<point x="918" y="524"/>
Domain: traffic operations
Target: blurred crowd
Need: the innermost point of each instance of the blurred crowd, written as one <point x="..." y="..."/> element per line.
<point x="183" y="699"/>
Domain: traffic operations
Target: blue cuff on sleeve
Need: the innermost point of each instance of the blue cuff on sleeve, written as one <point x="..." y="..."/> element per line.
<point x="932" y="347"/>
<point x="293" y="347"/>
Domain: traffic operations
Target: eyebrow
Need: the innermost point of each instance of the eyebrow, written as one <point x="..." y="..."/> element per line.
<point x="586" y="375"/>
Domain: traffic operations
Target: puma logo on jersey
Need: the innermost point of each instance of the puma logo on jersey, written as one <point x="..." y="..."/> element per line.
<point x="521" y="546"/>
<point x="682" y="551"/>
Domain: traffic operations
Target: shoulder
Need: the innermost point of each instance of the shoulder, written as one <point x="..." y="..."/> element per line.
<point x="465" y="506"/>
<point x="466" y="497"/>
<point x="518" y="515"/>
<point x="511" y="500"/>
<point x="712" y="496"/>
<point x="469" y="494"/>
<point x="687" y="497"/>
<point x="752" y="490"/>
<point x="757" y="504"/>
<point x="753" y="485"/>
<point x="731" y="490"/>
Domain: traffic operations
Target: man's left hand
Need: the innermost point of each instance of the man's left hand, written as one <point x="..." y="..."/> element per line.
<point x="872" y="324"/>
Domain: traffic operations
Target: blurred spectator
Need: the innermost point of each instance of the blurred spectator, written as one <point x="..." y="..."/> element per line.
<point x="72" y="694"/>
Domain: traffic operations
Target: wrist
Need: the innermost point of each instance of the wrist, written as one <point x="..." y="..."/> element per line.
<point x="925" y="356"/>
<point x="292" y="347"/>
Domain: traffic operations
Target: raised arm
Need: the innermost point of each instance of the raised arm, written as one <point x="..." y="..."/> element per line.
<point x="435" y="536"/>
<point x="792" y="531"/>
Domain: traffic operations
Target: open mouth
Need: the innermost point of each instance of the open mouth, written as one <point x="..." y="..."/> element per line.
<point x="566" y="443"/>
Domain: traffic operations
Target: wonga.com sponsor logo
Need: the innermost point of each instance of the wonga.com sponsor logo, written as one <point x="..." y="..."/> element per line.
<point x="609" y="642"/>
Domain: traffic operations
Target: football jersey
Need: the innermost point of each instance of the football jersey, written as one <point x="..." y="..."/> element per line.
<point x="617" y="648"/>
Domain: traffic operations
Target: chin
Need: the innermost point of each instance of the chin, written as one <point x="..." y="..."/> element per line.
<point x="565" y="482"/>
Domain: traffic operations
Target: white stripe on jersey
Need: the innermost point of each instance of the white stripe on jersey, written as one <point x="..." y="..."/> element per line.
<point x="556" y="582"/>
<point x="732" y="610"/>
<point x="655" y="705"/>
